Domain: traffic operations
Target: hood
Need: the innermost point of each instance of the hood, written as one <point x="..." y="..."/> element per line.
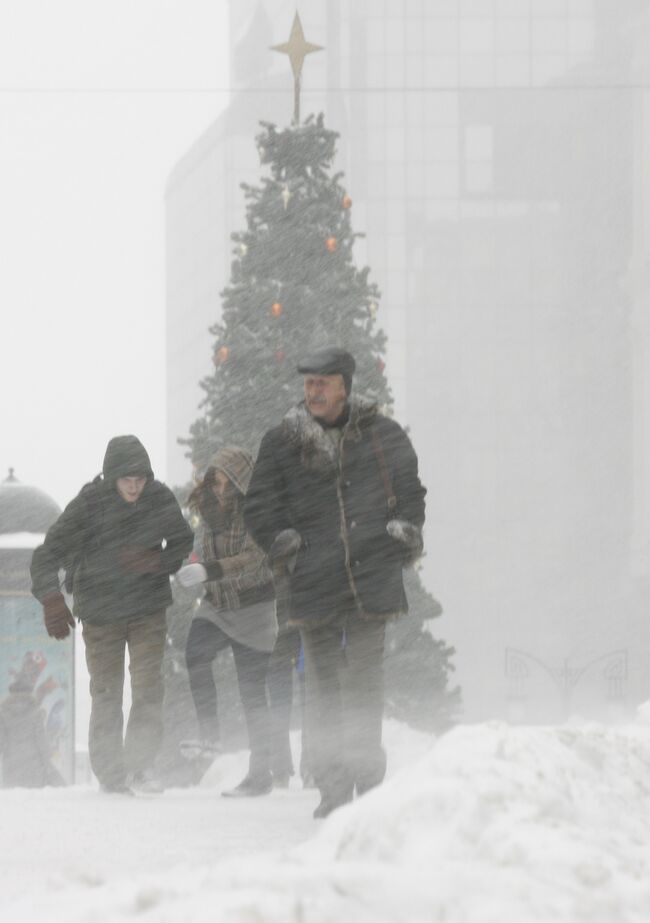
<point x="125" y="457"/>
<point x="236" y="464"/>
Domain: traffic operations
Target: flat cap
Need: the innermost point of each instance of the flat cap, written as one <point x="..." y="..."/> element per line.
<point x="329" y="361"/>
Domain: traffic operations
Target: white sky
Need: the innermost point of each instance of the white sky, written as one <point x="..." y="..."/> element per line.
<point x="98" y="101"/>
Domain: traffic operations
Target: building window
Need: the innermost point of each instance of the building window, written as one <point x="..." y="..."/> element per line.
<point x="479" y="159"/>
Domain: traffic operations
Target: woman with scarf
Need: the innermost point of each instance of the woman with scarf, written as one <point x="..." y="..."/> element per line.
<point x="237" y="611"/>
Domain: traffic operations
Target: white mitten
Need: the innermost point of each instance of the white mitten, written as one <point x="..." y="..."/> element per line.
<point x="191" y="575"/>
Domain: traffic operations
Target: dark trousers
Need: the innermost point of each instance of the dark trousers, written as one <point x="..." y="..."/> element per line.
<point x="345" y="695"/>
<point x="204" y="642"/>
<point x="111" y="757"/>
<point x="280" y="685"/>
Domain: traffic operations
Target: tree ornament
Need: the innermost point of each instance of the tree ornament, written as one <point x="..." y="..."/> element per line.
<point x="332" y="244"/>
<point x="373" y="307"/>
<point x="286" y="195"/>
<point x="262" y="152"/>
<point x="347" y="201"/>
<point x="276" y="309"/>
<point x="243" y="249"/>
<point x="381" y="365"/>
<point x="221" y="355"/>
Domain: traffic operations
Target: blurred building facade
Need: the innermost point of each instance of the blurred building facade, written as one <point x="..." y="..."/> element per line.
<point x="493" y="150"/>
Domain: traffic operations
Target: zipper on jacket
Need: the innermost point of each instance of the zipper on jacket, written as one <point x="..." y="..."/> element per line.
<point x="344" y="527"/>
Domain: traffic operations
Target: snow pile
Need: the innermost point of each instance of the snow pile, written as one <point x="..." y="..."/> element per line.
<point x="493" y="823"/>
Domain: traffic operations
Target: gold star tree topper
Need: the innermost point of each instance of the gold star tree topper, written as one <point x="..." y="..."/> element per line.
<point x="297" y="49"/>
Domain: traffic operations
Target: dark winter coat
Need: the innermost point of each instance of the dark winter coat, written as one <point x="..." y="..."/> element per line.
<point x="98" y="534"/>
<point x="23" y="745"/>
<point x="336" y="497"/>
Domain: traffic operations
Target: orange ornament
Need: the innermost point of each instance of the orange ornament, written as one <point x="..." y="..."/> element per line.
<point x="331" y="243"/>
<point x="276" y="309"/>
<point x="221" y="355"/>
<point x="347" y="201"/>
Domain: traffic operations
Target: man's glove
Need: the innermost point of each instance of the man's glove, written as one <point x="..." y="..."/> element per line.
<point x="136" y="560"/>
<point x="58" y="618"/>
<point x="285" y="548"/>
<point x="409" y="535"/>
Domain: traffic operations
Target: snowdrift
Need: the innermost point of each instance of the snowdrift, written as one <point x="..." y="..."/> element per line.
<point x="493" y="823"/>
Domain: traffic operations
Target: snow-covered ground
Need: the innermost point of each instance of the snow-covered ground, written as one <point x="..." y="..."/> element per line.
<point x="488" y="824"/>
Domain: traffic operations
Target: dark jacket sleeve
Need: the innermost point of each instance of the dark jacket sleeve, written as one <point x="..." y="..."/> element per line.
<point x="63" y="542"/>
<point x="403" y="462"/>
<point x="266" y="509"/>
<point x="179" y="538"/>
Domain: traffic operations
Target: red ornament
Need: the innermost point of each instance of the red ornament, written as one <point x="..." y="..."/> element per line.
<point x="331" y="243"/>
<point x="347" y="201"/>
<point x="276" y="309"/>
<point x="280" y="355"/>
<point x="221" y="355"/>
<point x="381" y="365"/>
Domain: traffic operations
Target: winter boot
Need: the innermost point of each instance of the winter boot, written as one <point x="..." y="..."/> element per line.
<point x="146" y="782"/>
<point x="251" y="786"/>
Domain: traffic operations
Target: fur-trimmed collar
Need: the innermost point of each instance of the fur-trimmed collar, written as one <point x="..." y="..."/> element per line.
<point x="318" y="452"/>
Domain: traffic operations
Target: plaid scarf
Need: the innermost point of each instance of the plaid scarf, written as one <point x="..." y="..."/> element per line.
<point x="243" y="562"/>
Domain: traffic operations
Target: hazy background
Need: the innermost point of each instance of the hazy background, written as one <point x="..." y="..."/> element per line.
<point x="97" y="100"/>
<point x="496" y="155"/>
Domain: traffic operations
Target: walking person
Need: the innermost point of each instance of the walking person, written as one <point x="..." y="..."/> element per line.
<point x="237" y="611"/>
<point x="335" y="495"/>
<point x="119" y="541"/>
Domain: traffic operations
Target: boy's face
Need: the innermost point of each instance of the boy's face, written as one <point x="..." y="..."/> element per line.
<point x="130" y="488"/>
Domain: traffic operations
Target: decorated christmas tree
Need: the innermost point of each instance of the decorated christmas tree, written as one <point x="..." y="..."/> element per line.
<point x="295" y="287"/>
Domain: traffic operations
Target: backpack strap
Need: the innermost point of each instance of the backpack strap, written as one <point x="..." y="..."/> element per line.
<point x="378" y="449"/>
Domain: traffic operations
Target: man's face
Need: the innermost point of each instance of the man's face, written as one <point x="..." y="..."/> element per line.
<point x="325" y="396"/>
<point x="130" y="489"/>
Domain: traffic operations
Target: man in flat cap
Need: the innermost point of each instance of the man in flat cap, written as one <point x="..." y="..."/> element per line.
<point x="336" y="501"/>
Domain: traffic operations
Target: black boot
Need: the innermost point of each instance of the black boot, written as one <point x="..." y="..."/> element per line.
<point x="252" y="785"/>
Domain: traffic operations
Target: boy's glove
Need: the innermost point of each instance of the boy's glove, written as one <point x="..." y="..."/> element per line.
<point x="58" y="618"/>
<point x="409" y="535"/>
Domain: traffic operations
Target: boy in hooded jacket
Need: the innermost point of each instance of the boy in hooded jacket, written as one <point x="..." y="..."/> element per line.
<point x="119" y="541"/>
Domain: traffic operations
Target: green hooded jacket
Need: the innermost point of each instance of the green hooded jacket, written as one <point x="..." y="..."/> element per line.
<point x="99" y="533"/>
